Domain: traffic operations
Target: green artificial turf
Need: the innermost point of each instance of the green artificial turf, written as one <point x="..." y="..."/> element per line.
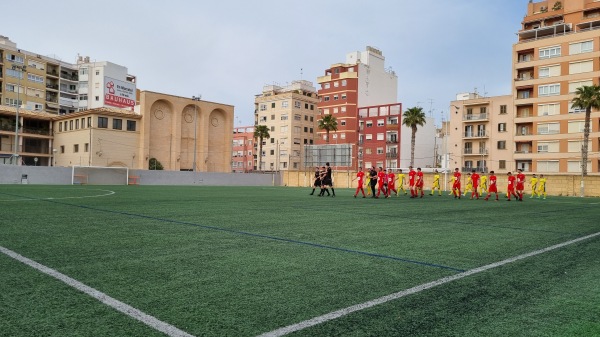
<point x="241" y="261"/>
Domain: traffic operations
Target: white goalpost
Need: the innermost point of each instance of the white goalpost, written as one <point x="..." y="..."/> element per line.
<point x="99" y="175"/>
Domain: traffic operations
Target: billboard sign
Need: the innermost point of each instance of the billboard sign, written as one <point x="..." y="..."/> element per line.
<point x="119" y="94"/>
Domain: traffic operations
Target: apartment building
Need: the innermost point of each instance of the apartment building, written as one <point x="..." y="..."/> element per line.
<point x="243" y="149"/>
<point x="557" y="51"/>
<point x="290" y="112"/>
<point x="362" y="81"/>
<point x="33" y="138"/>
<point x="41" y="83"/>
<point x="379" y="136"/>
<point x="481" y="133"/>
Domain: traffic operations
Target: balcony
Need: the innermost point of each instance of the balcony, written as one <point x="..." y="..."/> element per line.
<point x="391" y="155"/>
<point x="480" y="134"/>
<point x="471" y="152"/>
<point x="391" y="126"/>
<point x="52" y="86"/>
<point x="392" y="141"/>
<point x="475" y="117"/>
<point x="557" y="29"/>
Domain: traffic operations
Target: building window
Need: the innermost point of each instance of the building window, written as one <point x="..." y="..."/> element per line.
<point x="263" y="107"/>
<point x="62" y="149"/>
<point x="284" y="104"/>
<point x="297" y="117"/>
<point x="550" y="52"/>
<point x="284" y="117"/>
<point x="501" y="127"/>
<point x="326" y="99"/>
<point x="272" y="152"/>
<point x="272" y="130"/>
<point x="581" y="47"/>
<point x="502" y="164"/>
<point x="298" y="105"/>
<point x="344" y="83"/>
<point x="336" y="97"/>
<point x="75" y="148"/>
<point x="131" y="125"/>
<point x="326" y="86"/>
<point x="102" y="122"/>
<point x="77" y="124"/>
<point x="343" y="123"/>
<point x="549" y="90"/>
<point x="380" y="122"/>
<point x="89" y="122"/>
<point x="71" y="125"/>
<point x="369" y="124"/>
<point x="312" y="107"/>
<point x="117" y="124"/>
<point x="86" y="147"/>
<point x="97" y="98"/>
<point x="501" y="145"/>
<point x="272" y="117"/>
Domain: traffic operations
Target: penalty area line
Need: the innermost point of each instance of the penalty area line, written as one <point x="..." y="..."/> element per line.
<point x="358" y="307"/>
<point x="128" y="310"/>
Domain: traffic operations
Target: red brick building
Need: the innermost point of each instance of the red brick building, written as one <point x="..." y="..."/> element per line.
<point x="242" y="160"/>
<point x="379" y="136"/>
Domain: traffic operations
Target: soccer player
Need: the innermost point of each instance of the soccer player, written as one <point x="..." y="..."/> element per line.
<point x="419" y="183"/>
<point x="483" y="185"/>
<point x="411" y="182"/>
<point x="382" y="182"/>
<point x="533" y="182"/>
<point x="391" y="183"/>
<point x="360" y="175"/>
<point x="541" y="186"/>
<point x="373" y="180"/>
<point x="511" y="186"/>
<point x="475" y="181"/>
<point x="456" y="183"/>
<point x="317" y="182"/>
<point x="329" y="179"/>
<point x="493" y="186"/>
<point x="322" y="175"/>
<point x="436" y="183"/>
<point x="520" y="184"/>
<point x="400" y="178"/>
<point x="469" y="187"/>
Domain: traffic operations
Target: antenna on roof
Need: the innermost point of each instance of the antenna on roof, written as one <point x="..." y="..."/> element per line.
<point x="301" y="73"/>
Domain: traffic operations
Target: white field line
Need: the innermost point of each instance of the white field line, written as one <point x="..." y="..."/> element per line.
<point x="100" y="296"/>
<point x="343" y="312"/>
<point x="82" y="197"/>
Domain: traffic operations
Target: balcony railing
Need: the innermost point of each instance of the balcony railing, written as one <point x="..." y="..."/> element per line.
<point x="477" y="169"/>
<point x="475" y="117"/>
<point x="480" y="134"/>
<point x="391" y="141"/>
<point x="35" y="131"/>
<point x="391" y="155"/>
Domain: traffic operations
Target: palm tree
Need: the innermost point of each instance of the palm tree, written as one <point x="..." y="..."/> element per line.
<point x="261" y="132"/>
<point x="413" y="118"/>
<point x="328" y="123"/>
<point x="586" y="97"/>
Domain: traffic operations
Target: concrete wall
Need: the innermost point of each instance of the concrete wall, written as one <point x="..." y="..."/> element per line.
<point x="10" y="174"/>
<point x="557" y="185"/>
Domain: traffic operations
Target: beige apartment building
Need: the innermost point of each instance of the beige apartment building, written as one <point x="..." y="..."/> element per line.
<point x="558" y="51"/>
<point x="481" y="133"/>
<point x="290" y="112"/>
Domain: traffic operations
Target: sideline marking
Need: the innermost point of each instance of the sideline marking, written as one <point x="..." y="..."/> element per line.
<point x="343" y="312"/>
<point x="51" y="198"/>
<point x="128" y="310"/>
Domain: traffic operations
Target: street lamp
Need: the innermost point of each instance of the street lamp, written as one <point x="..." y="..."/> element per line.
<point x="21" y="69"/>
<point x="195" y="98"/>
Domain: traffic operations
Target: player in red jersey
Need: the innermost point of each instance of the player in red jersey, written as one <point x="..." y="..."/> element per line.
<point x="360" y="175"/>
<point x="411" y="182"/>
<point x="475" y="180"/>
<point x="382" y="182"/>
<point x="511" y="186"/>
<point x="419" y="183"/>
<point x="520" y="184"/>
<point x="493" y="187"/>
<point x="391" y="183"/>
<point x="456" y="184"/>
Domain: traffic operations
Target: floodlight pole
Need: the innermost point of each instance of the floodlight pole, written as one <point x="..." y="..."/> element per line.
<point x="195" y="98"/>
<point x="16" y="151"/>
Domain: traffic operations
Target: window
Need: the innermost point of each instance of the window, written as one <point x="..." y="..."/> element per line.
<point x="263" y="107"/>
<point x="573" y="110"/>
<point x="503" y="110"/>
<point x="343" y="109"/>
<point x="336" y="84"/>
<point x="549" y="166"/>
<point x="272" y="117"/>
<point x="297" y="104"/>
<point x="326" y="99"/>
<point x="548" y="128"/>
<point x="273" y="105"/>
<point x="379" y="150"/>
<point x="59" y="127"/>
<point x="574" y="85"/>
<point x="368" y="136"/>
<point x="335" y="110"/>
<point x="343" y="123"/>
<point x="548" y="109"/>
<point x="86" y="147"/>
<point x="312" y="118"/>
<point x="501" y="145"/>
<point x="575" y="146"/>
<point x="326" y="85"/>
<point x="343" y="96"/>
<point x="369" y="124"/>
<point x="131" y="125"/>
<point x="102" y="122"/>
<point x="284" y="104"/>
<point x="545" y="147"/>
<point x="581" y="47"/>
<point x="581" y="67"/>
<point x="576" y="126"/>
<point x="296" y="141"/>
<point x="549" y="71"/>
<point x="336" y="97"/>
<point x="272" y="130"/>
<point x="306" y="129"/>
<point x="97" y="98"/>
<point x="501" y="127"/>
<point x="117" y="124"/>
<point x="12" y="102"/>
<point x="297" y="117"/>
<point x="75" y="148"/>
<point x="77" y="124"/>
<point x="368" y="151"/>
<point x="380" y="122"/>
<point x="263" y="119"/>
<point x="89" y="122"/>
<point x="550" y="52"/>
<point x="297" y="129"/>
<point x="574" y="166"/>
<point x="343" y="135"/>
<point x="284" y="117"/>
<point x="62" y="149"/>
<point x="502" y="164"/>
<point x="35" y="78"/>
<point x="14" y="73"/>
<point x="83" y="71"/>
<point x="549" y="90"/>
<point x="272" y="152"/>
<point x="15" y="58"/>
<point x="380" y="136"/>
<point x="71" y="125"/>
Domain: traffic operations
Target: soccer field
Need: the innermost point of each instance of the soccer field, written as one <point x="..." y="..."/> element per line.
<point x="250" y="261"/>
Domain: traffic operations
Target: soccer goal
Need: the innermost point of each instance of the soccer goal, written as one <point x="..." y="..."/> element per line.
<point x="98" y="175"/>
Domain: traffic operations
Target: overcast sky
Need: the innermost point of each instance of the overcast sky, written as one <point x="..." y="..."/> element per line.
<point x="228" y="50"/>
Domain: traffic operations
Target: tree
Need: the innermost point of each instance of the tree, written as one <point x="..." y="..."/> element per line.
<point x="154" y="164"/>
<point x="261" y="132"/>
<point x="328" y="123"/>
<point x="413" y="118"/>
<point x="586" y="97"/>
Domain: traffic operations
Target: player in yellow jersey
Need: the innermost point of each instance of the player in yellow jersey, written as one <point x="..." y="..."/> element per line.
<point x="436" y="183"/>
<point x="400" y="179"/>
<point x="533" y="182"/>
<point x="451" y="182"/>
<point x="541" y="189"/>
<point x="469" y="187"/>
<point x="483" y="183"/>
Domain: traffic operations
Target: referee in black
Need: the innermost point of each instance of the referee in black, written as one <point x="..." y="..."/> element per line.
<point x="373" y="176"/>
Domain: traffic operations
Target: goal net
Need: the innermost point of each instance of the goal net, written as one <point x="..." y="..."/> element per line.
<point x="97" y="175"/>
